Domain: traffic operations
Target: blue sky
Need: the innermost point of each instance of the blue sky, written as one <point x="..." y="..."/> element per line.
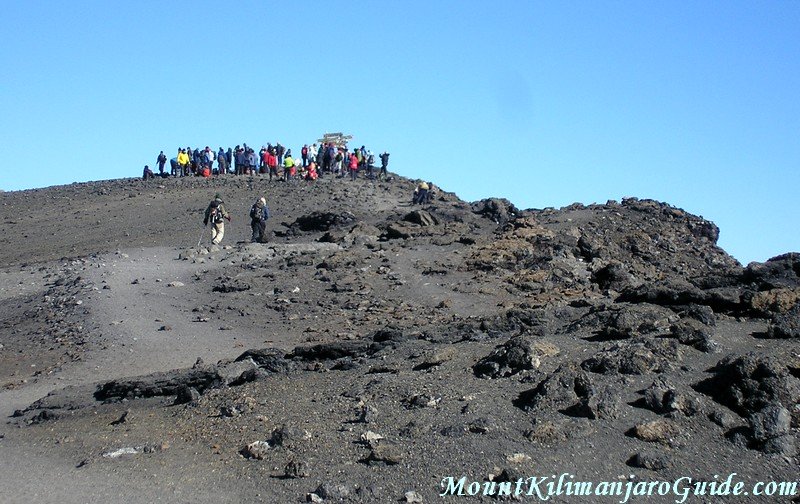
<point x="544" y="103"/>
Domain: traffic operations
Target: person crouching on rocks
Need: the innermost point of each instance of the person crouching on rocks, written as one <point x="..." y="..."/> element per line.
<point x="420" y="194"/>
<point x="312" y="172"/>
<point x="259" y="213"/>
<point x="216" y="214"/>
<point x="147" y="173"/>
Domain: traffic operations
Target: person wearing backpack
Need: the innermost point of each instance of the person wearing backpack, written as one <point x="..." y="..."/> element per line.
<point x="259" y="213"/>
<point x="222" y="161"/>
<point x="216" y="214"/>
<point x="161" y="160"/>
<point x="384" y="164"/>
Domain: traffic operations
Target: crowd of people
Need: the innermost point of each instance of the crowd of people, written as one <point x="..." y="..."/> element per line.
<point x="277" y="161"/>
<point x="315" y="161"/>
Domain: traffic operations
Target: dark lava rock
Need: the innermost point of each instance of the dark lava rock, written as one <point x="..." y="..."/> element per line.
<point x="45" y="415"/>
<point x="267" y="359"/>
<point x="771" y="422"/>
<point x="514" y="356"/>
<point x="225" y="287"/>
<point x="159" y="384"/>
<point x="785" y="325"/>
<point x="636" y="357"/>
<point x="613" y="276"/>
<point x="567" y="386"/>
<point x="695" y="334"/>
<point x="750" y="383"/>
<point x="187" y="395"/>
<point x="321" y="221"/>
<point x="651" y="461"/>
<point x="603" y="404"/>
<point x="661" y="397"/>
<point x="723" y="419"/>
<point x="331" y="351"/>
<point x="771" y="430"/>
<point x="333" y="491"/>
<point x="499" y="210"/>
<point x="421" y="217"/>
<point x="780" y="271"/>
<point x="674" y="292"/>
<point x="702" y="314"/>
<point x="629" y="321"/>
<point x="519" y="318"/>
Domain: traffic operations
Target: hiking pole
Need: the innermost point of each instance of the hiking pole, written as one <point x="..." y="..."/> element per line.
<point x="202" y="231"/>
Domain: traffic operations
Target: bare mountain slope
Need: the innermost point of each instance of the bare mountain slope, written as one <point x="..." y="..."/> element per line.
<point x="372" y="348"/>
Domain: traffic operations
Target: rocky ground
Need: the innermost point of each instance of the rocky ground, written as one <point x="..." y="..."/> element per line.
<point x="372" y="349"/>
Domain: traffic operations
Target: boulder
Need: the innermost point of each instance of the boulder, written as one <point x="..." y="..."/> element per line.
<point x="514" y="356"/>
<point x="695" y="334"/>
<point x="499" y="210"/>
<point x="782" y="271"/>
<point x="785" y="325"/>
<point x="636" y="357"/>
<point x="657" y="431"/>
<point x="421" y="217"/>
<point x="752" y="382"/>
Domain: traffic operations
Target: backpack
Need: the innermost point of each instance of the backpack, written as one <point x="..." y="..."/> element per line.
<point x="257" y="213"/>
<point x="216" y="215"/>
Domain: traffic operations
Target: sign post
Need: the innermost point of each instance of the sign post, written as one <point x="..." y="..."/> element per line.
<point x="337" y="139"/>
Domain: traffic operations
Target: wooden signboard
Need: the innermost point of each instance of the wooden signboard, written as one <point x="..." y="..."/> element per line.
<point x="337" y="139"/>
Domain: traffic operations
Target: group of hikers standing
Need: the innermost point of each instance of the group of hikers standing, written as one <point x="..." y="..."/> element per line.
<point x="314" y="162"/>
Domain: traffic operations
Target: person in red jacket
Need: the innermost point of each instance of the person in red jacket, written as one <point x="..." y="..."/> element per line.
<point x="272" y="163"/>
<point x="304" y="154"/>
<point x="312" y="172"/>
<point x="353" y="166"/>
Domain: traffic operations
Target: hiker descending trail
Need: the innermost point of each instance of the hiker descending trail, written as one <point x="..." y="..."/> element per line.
<point x="216" y="214"/>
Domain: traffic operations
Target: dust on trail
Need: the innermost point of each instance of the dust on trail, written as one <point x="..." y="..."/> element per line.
<point x="132" y="296"/>
<point x="148" y="309"/>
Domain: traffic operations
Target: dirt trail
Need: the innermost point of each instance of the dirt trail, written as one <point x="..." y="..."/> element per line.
<point x="143" y="305"/>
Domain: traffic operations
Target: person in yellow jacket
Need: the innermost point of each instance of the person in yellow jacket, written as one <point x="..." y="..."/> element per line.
<point x="183" y="162"/>
<point x="421" y="194"/>
<point x="288" y="166"/>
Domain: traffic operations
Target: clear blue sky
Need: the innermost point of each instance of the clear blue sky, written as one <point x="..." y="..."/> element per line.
<point x="545" y="103"/>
